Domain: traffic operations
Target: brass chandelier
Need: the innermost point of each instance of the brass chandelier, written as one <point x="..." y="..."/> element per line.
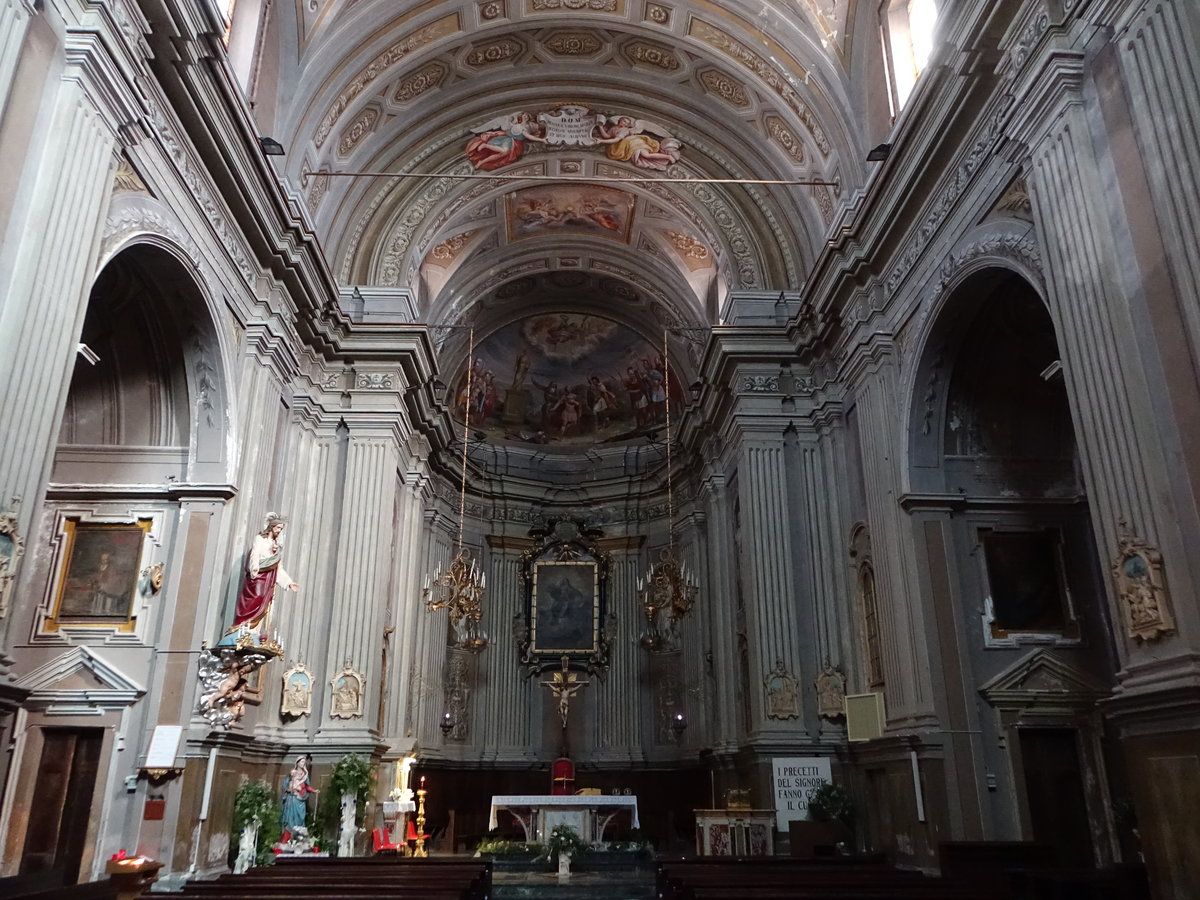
<point x="667" y="592"/>
<point x="461" y="587"/>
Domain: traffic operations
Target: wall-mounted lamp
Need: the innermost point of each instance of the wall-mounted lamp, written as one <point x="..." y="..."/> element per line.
<point x="447" y="723"/>
<point x="679" y="722"/>
<point x="880" y="153"/>
<point x="271" y="147"/>
<point x="696" y="388"/>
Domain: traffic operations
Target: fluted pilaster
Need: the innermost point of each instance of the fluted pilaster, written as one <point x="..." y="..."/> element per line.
<point x="363" y="568"/>
<point x="14" y="21"/>
<point x="902" y="635"/>
<point x="1106" y="379"/>
<point x="46" y="295"/>
<point x="768" y="566"/>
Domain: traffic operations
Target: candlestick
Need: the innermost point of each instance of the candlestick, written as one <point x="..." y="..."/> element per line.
<point x="420" y="852"/>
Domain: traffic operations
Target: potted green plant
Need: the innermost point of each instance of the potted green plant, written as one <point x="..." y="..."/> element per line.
<point x="830" y="824"/>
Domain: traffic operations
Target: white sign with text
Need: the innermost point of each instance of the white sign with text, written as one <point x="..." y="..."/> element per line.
<point x="796" y="777"/>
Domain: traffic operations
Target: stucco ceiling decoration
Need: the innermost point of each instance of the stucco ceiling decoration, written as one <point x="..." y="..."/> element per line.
<point x="382" y="63"/>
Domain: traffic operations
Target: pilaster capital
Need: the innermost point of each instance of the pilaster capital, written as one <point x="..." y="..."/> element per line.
<point x="1045" y="91"/>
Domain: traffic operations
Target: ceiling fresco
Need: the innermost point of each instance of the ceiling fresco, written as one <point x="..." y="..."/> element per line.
<point x="451" y="148"/>
<point x="569" y="209"/>
<point x="566" y="380"/>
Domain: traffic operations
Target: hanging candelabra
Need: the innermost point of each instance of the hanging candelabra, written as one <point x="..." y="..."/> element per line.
<point x="461" y="587"/>
<point x="667" y="592"/>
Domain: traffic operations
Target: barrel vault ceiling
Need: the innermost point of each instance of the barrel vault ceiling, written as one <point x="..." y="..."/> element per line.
<point x="764" y="91"/>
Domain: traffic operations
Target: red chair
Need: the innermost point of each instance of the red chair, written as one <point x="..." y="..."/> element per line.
<point x="383" y="842"/>
<point x="562" y="776"/>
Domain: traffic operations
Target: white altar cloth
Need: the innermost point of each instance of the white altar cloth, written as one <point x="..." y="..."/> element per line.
<point x="530" y="810"/>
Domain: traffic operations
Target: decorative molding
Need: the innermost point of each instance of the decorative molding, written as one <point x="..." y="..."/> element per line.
<point x="316" y="191"/>
<point x="492" y="9"/>
<point x="192" y="178"/>
<point x="375" y="381"/>
<point x="114" y="689"/>
<point x="767" y="72"/>
<point x="575" y="5"/>
<point x="573" y="43"/>
<point x="658" y="14"/>
<point x="132" y="220"/>
<point x="494" y="53"/>
<point x="426" y="78"/>
<point x="126" y="178"/>
<point x="434" y="31"/>
<point x="688" y="246"/>
<point x="787" y="139"/>
<point x="650" y="54"/>
<point x="761" y="384"/>
<point x="1015" y="200"/>
<point x="721" y="85"/>
<point x="363" y="125"/>
<point x="445" y="253"/>
<point x="980" y="152"/>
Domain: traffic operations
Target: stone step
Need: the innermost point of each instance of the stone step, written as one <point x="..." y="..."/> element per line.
<point x="577" y="886"/>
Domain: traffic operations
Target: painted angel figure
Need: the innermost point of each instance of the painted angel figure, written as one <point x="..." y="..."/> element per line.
<point x="627" y="140"/>
<point x="502" y="140"/>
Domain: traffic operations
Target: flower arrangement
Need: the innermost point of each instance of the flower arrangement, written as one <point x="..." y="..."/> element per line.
<point x="564" y="839"/>
<point x="351" y="775"/>
<point x="255" y="800"/>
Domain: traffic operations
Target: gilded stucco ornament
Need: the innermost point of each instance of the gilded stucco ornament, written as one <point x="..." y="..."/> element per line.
<point x="1141" y="589"/>
<point x="12" y="548"/>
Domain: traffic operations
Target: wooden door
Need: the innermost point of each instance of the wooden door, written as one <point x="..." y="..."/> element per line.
<point x="1054" y="793"/>
<point x="63" y="793"/>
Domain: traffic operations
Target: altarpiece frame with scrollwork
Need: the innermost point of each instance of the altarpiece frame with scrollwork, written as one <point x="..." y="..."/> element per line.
<point x="566" y="598"/>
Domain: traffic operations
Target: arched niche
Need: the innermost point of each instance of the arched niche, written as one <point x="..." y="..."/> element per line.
<point x="989" y="412"/>
<point x="992" y="454"/>
<point x="147" y="400"/>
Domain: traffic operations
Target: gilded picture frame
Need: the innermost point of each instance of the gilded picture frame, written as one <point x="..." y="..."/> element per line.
<point x="98" y="580"/>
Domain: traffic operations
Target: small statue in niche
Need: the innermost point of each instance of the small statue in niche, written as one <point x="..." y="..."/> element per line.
<point x="831" y="692"/>
<point x="783" y="693"/>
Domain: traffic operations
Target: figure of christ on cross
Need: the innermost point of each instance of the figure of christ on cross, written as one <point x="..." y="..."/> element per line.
<point x="565" y="685"/>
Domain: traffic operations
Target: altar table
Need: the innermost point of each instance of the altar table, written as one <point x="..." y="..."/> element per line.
<point x="539" y="814"/>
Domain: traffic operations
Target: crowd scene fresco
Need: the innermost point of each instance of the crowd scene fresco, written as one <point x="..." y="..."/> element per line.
<point x="566" y="379"/>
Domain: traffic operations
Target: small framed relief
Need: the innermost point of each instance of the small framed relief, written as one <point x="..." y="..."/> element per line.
<point x="297" y="691"/>
<point x="347" y="694"/>
<point x="98" y="575"/>
<point x="12" y="548"/>
<point x="1141" y="589"/>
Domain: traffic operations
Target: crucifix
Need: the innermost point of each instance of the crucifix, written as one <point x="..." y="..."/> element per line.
<point x="565" y="685"/>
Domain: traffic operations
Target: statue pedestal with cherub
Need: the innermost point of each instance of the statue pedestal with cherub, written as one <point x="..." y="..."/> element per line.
<point x="249" y="644"/>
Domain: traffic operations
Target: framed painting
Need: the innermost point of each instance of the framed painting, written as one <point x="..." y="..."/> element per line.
<point x="565" y="608"/>
<point x="98" y="578"/>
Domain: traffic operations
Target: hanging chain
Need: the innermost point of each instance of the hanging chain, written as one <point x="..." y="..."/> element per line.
<point x="462" y="488"/>
<point x="670" y="492"/>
